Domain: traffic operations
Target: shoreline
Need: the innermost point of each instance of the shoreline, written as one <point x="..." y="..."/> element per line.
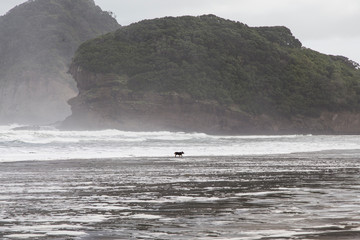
<point x="323" y="153"/>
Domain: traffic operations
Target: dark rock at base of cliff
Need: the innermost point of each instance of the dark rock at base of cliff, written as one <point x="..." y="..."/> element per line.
<point x="108" y="107"/>
<point x="170" y="113"/>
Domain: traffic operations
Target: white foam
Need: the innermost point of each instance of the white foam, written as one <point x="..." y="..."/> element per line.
<point x="40" y="228"/>
<point x="52" y="144"/>
<point x="192" y="199"/>
<point x="66" y="233"/>
<point x="260" y="193"/>
<point x="24" y="236"/>
<point x="107" y="207"/>
<point x="90" y="218"/>
<point x="145" y="216"/>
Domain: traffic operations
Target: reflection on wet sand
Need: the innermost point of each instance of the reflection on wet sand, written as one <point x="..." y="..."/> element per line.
<point x="308" y="196"/>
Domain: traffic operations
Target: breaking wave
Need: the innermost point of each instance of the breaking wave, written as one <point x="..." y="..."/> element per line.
<point x="19" y="143"/>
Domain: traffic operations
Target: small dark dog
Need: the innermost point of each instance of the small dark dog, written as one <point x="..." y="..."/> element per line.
<point x="179" y="154"/>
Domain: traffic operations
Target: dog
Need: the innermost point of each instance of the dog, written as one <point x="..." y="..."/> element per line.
<point x="179" y="154"/>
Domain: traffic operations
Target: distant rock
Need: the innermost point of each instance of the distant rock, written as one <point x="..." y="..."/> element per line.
<point x="37" y="41"/>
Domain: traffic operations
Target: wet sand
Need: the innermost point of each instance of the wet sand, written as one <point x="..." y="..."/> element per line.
<point x="300" y="196"/>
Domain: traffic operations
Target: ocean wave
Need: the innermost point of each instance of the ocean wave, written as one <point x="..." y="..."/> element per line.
<point x="52" y="144"/>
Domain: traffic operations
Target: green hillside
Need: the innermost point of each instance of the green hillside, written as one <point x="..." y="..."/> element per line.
<point x="257" y="70"/>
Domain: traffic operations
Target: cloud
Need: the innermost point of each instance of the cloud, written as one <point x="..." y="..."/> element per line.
<point x="348" y="47"/>
<point x="5" y="6"/>
<point x="309" y="18"/>
<point x="316" y="23"/>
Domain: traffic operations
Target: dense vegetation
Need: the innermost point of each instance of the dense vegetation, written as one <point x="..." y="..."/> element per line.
<point x="257" y="70"/>
<point x="37" y="41"/>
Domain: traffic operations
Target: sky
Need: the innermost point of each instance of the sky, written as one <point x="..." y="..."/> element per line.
<point x="327" y="26"/>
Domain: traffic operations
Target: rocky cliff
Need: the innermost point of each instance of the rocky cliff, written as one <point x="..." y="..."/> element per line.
<point x="37" y="41"/>
<point x="207" y="74"/>
<point x="107" y="106"/>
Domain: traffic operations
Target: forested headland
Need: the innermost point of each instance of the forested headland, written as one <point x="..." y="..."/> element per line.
<point x="253" y="71"/>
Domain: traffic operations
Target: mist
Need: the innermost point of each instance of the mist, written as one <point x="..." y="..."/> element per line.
<point x="38" y="40"/>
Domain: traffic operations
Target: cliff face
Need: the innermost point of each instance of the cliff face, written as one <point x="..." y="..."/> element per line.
<point x="37" y="41"/>
<point x="102" y="104"/>
<point x="207" y="74"/>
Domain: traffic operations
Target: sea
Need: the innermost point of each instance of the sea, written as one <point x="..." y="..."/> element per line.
<point x="23" y="143"/>
<point x="112" y="184"/>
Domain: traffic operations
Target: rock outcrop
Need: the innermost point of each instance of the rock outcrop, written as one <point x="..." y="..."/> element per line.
<point x="207" y="74"/>
<point x="105" y="106"/>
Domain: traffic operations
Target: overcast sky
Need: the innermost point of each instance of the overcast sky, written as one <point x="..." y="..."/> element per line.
<point x="327" y="26"/>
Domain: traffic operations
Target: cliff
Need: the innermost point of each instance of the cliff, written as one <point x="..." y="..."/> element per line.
<point x="212" y="75"/>
<point x="37" y="41"/>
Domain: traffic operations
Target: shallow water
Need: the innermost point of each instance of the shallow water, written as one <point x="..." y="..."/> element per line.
<point x="293" y="196"/>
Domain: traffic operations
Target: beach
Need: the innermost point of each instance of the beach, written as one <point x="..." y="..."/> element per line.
<point x="285" y="196"/>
